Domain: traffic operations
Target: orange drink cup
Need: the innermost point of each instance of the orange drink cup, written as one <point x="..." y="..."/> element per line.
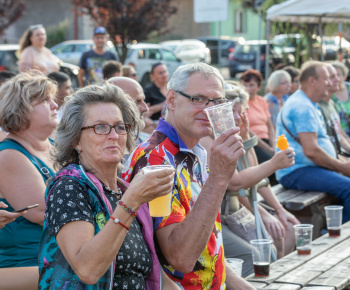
<point x="282" y="142"/>
<point x="160" y="206"/>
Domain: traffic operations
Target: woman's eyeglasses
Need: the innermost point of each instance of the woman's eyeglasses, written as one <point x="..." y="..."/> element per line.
<point x="105" y="129"/>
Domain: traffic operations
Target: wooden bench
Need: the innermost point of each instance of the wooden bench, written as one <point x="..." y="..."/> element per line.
<point x="307" y="206"/>
<point x="326" y="268"/>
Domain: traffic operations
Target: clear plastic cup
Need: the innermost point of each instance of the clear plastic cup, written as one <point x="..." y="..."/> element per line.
<point x="261" y="257"/>
<point x="334" y="215"/>
<point x="160" y="206"/>
<point x="221" y="118"/>
<point x="236" y="264"/>
<point x="303" y="235"/>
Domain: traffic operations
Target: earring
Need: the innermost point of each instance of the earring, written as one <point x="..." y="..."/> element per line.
<point x="78" y="151"/>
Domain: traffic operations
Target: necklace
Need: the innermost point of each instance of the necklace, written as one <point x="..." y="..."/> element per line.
<point x="117" y="194"/>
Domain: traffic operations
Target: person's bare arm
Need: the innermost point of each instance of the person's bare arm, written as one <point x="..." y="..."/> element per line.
<point x="25" y="61"/>
<point x="235" y="282"/>
<point x="271" y="129"/>
<point x="316" y="154"/>
<point x="182" y="243"/>
<point x="344" y="142"/>
<point x="22" y="185"/>
<point x="167" y="283"/>
<point x="154" y="109"/>
<point x="81" y="75"/>
<point x="86" y="252"/>
<point x="263" y="145"/>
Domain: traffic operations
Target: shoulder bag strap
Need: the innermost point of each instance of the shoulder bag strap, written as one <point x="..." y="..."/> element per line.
<point x="296" y="139"/>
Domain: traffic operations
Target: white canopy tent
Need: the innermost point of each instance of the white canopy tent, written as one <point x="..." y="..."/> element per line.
<point x="308" y="11"/>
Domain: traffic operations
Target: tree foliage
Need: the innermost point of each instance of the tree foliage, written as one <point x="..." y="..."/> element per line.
<point x="128" y="21"/>
<point x="10" y="11"/>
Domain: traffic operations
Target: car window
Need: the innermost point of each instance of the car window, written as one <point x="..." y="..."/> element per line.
<point x="212" y="42"/>
<point x="154" y="53"/>
<point x="82" y="47"/>
<point x="64" y="49"/>
<point x="168" y="55"/>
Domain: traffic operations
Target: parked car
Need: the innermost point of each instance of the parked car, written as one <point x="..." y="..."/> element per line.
<point x="143" y="55"/>
<point x="331" y="46"/>
<point x="9" y="61"/>
<point x="8" y="57"/>
<point x="291" y="42"/>
<point x="244" y="57"/>
<point x="227" y="45"/>
<point x="189" y="50"/>
<point x="70" y="51"/>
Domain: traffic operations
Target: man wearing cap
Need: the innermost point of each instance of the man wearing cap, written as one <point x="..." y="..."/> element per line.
<point x="92" y="61"/>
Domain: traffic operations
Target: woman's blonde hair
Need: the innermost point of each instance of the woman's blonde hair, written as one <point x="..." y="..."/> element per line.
<point x="234" y="90"/>
<point x="17" y="95"/>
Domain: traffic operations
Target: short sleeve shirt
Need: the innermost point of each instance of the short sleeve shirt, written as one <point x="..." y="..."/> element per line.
<point x="69" y="202"/>
<point x="92" y="64"/>
<point x="301" y="115"/>
<point x="258" y="116"/>
<point x="343" y="109"/>
<point x="274" y="106"/>
<point x="166" y="147"/>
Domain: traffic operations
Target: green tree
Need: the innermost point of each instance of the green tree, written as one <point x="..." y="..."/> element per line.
<point x="128" y="21"/>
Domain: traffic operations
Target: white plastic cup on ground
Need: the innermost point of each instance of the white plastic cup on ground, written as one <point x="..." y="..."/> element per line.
<point x="221" y="118"/>
<point x="334" y="216"/>
<point x="160" y="206"/>
<point x="236" y="264"/>
<point x="303" y="236"/>
<point x="261" y="256"/>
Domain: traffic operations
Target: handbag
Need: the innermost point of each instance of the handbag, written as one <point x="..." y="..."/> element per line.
<point x="242" y="223"/>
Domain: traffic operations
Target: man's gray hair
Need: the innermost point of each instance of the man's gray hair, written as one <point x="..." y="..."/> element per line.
<point x="180" y="78"/>
<point x="74" y="116"/>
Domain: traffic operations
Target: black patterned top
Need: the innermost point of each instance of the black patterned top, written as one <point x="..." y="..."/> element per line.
<point x="68" y="202"/>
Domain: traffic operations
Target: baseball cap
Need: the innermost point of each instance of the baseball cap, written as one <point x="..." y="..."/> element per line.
<point x="100" y="30"/>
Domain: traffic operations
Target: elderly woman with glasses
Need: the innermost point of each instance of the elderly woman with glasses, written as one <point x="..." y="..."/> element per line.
<point x="97" y="228"/>
<point x="34" y="54"/>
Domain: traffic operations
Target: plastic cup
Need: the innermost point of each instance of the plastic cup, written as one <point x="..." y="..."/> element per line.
<point x="221" y="118"/>
<point x="236" y="264"/>
<point x="303" y="235"/>
<point x="334" y="215"/>
<point x="160" y="206"/>
<point x="261" y="257"/>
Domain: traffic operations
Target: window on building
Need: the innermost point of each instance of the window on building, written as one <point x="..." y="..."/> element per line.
<point x="239" y="21"/>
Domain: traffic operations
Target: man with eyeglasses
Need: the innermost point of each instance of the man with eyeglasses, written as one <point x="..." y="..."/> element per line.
<point x="190" y="246"/>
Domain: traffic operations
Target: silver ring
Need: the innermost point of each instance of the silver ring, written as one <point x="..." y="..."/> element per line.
<point x="290" y="155"/>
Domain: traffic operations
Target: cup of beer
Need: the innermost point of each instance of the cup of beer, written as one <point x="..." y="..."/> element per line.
<point x="160" y="206"/>
<point x="334" y="215"/>
<point x="261" y="251"/>
<point x="303" y="236"/>
<point x="220" y="118"/>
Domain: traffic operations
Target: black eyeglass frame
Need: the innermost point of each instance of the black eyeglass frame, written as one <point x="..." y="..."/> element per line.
<point x="127" y="128"/>
<point x="208" y="100"/>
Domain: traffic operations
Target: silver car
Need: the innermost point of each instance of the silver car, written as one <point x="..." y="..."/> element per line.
<point x="70" y="51"/>
<point x="143" y="55"/>
<point x="189" y="50"/>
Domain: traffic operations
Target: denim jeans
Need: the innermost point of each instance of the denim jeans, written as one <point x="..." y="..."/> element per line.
<point x="316" y="178"/>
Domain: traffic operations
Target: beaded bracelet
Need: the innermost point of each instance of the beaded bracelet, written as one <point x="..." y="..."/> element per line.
<point x="117" y="221"/>
<point x="128" y="209"/>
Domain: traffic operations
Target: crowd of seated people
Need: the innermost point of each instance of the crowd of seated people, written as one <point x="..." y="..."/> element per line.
<point x="71" y="155"/>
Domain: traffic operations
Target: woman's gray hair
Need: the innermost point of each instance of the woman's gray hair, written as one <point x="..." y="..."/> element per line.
<point x="180" y="79"/>
<point x="339" y="65"/>
<point x="17" y="95"/>
<point x="275" y="79"/>
<point x="74" y="116"/>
